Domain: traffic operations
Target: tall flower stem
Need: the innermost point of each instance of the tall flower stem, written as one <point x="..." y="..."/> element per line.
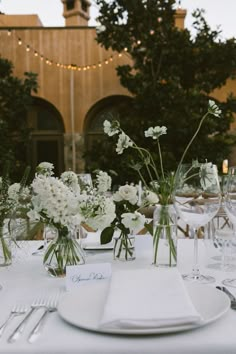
<point x="140" y="151"/>
<point x="160" y="156"/>
<point x="191" y="141"/>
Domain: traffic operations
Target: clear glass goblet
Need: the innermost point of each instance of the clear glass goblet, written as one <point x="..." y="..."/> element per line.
<point x="230" y="208"/>
<point x="197" y="199"/>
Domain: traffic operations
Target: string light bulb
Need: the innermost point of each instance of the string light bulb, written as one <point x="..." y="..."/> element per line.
<point x="27" y="48"/>
<point x="19" y="41"/>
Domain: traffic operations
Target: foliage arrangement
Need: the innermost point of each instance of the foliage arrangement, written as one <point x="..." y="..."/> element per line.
<point x="171" y="77"/>
<point x="162" y="184"/>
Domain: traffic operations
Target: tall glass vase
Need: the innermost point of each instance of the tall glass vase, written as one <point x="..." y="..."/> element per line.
<point x="63" y="250"/>
<point x="5" y="247"/>
<point x="165" y="236"/>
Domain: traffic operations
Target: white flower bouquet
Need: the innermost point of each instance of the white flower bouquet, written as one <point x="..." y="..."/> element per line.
<point x="126" y="223"/>
<point x="159" y="182"/>
<point x="97" y="210"/>
<point x="55" y="203"/>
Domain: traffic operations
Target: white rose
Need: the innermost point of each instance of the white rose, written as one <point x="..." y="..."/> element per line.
<point x="128" y="193"/>
<point x="133" y="221"/>
<point x="152" y="198"/>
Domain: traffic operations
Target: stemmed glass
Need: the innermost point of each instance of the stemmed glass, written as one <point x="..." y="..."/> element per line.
<point x="197" y="199"/>
<point x="230" y="208"/>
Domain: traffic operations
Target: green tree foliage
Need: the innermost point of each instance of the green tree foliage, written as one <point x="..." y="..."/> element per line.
<point x="172" y="76"/>
<point x="15" y="95"/>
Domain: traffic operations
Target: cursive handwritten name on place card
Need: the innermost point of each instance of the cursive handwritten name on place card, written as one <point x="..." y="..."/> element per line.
<point x="82" y="274"/>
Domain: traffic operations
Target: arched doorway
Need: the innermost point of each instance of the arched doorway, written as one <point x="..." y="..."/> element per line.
<point x="113" y="107"/>
<point x="99" y="154"/>
<point x="47" y="132"/>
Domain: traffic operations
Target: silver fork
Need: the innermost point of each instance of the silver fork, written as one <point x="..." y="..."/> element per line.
<point x="16" y="311"/>
<point x="20" y="328"/>
<point x="50" y="306"/>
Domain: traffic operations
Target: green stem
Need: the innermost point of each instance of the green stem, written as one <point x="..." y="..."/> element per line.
<point x="124" y="244"/>
<point x="191" y="141"/>
<point x="5" y="250"/>
<point x="165" y="224"/>
<point x="61" y="252"/>
<point x="160" y="156"/>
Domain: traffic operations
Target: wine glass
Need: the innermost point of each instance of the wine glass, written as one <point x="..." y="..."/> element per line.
<point x="230" y="208"/>
<point x="197" y="199"/>
<point x="85" y="179"/>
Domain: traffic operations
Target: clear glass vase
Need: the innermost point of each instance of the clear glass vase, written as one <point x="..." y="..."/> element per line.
<point x="124" y="247"/>
<point x="165" y="236"/>
<point x="5" y="247"/>
<point x="63" y="250"/>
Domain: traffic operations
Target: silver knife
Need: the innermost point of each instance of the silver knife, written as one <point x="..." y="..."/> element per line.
<point x="230" y="295"/>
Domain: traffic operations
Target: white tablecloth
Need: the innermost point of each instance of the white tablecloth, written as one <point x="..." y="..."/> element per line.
<point x="27" y="278"/>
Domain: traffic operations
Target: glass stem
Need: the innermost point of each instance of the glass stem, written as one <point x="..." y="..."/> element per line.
<point x="195" y="270"/>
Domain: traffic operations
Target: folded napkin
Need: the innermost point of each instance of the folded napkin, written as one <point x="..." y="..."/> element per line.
<point x="147" y="298"/>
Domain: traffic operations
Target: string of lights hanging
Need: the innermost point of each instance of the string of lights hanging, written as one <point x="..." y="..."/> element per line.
<point x="30" y="49"/>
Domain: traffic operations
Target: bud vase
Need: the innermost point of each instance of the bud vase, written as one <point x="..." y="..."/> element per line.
<point x="165" y="236"/>
<point x="124" y="247"/>
<point x="63" y="250"/>
<point x="5" y="247"/>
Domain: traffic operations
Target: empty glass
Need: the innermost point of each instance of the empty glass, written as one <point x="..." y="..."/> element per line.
<point x="85" y="179"/>
<point x="197" y="199"/>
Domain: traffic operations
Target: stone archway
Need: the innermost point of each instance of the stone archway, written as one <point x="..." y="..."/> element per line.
<point x="112" y="107"/>
<point x="47" y="135"/>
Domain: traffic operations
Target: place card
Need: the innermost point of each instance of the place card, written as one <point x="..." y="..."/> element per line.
<point x="82" y="274"/>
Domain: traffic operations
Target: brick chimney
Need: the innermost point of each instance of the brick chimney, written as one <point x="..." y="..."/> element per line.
<point x="180" y="15"/>
<point x="76" y="12"/>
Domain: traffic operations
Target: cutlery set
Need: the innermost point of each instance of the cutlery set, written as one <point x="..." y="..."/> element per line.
<point x="48" y="306"/>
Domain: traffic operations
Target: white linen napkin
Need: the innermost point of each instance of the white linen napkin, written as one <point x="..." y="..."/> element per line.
<point x="148" y="298"/>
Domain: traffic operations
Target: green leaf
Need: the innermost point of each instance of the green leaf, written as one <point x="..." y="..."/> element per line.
<point x="149" y="227"/>
<point x="106" y="235"/>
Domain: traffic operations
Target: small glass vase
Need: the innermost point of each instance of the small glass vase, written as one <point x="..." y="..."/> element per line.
<point x="124" y="247"/>
<point x="165" y="236"/>
<point x="63" y="250"/>
<point x="5" y="247"/>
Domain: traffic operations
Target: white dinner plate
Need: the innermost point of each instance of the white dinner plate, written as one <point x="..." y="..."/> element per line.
<point x="92" y="242"/>
<point x="98" y="247"/>
<point x="83" y="308"/>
